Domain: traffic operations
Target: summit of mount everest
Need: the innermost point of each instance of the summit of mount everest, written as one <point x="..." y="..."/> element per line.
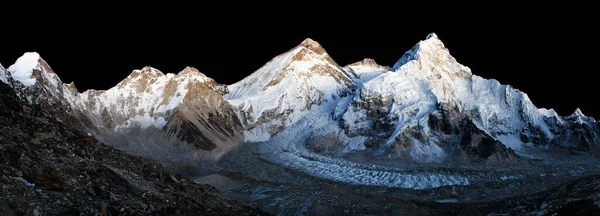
<point x="427" y="107"/>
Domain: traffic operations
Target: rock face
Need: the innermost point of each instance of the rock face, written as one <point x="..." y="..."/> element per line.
<point x="427" y="108"/>
<point x="46" y="168"/>
<point x="166" y="117"/>
<point x="432" y="99"/>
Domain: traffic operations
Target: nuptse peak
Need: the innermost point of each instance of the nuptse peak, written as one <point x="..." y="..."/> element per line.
<point x="426" y="107"/>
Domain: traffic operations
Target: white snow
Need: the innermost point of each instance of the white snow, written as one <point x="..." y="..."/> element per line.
<point x="578" y="112"/>
<point x="23" y="68"/>
<point x="511" y="141"/>
<point x="580" y="118"/>
<point x="410" y="101"/>
<point x="4" y="75"/>
<point x="548" y="112"/>
<point x="292" y="84"/>
<point x="426" y="152"/>
<point x="251" y="85"/>
<point x="147" y="121"/>
<point x="366" y="74"/>
<point x="367" y="69"/>
<point x="146" y="96"/>
<point x="428" y="74"/>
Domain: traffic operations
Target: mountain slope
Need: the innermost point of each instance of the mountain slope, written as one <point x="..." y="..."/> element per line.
<point x="149" y="113"/>
<point x="366" y="69"/>
<point x="287" y="88"/>
<point x="165" y="117"/>
<point x="436" y="99"/>
<point x="49" y="169"/>
<point x="427" y="107"/>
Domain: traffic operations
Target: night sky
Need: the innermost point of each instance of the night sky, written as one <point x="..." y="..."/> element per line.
<point x="550" y="55"/>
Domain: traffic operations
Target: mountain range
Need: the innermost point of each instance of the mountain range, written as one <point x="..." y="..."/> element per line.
<point x="426" y="108"/>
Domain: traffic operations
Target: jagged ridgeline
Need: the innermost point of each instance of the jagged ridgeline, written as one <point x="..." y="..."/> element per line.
<point x="50" y="169"/>
<point x="427" y="107"/>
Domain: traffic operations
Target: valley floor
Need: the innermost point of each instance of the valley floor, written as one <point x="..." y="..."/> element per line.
<point x="536" y="186"/>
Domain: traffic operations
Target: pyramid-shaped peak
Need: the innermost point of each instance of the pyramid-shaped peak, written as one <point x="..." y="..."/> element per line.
<point x="312" y="45"/>
<point x="578" y="112"/>
<point x="431" y="35"/>
<point x="433" y="40"/>
<point x="191" y="71"/>
<point x="431" y="48"/>
<point x="580" y="117"/>
<point x="309" y="41"/>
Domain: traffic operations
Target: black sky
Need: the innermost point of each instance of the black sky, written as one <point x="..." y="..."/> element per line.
<point x="549" y="54"/>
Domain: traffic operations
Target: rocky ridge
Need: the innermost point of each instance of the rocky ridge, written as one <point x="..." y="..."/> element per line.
<point x="46" y="168"/>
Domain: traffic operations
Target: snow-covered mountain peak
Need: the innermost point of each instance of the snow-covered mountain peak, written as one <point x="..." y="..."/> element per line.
<point x="312" y="45"/>
<point x="22" y="69"/>
<point x="431" y="51"/>
<point x="303" y="61"/>
<point x="578" y="112"/>
<point x="190" y="70"/>
<point x="366" y="62"/>
<point x="147" y="71"/>
<point x="366" y="69"/>
<point x="309" y="51"/>
<point x="548" y="112"/>
<point x="193" y="73"/>
<point x="31" y="71"/>
<point x="288" y="87"/>
<point x="431" y="35"/>
<point x="579" y="117"/>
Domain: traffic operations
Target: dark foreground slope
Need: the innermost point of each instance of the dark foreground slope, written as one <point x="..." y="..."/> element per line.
<point x="47" y="169"/>
<point x="576" y="197"/>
